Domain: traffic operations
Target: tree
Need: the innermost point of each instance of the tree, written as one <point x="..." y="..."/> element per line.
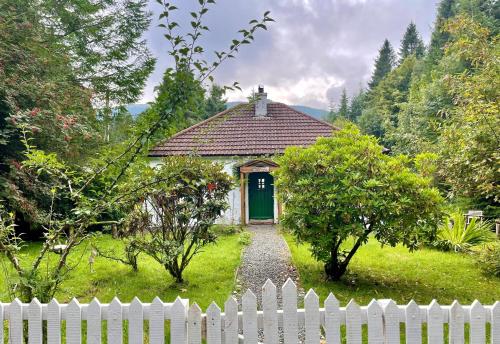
<point x="344" y="105"/>
<point x="185" y="198"/>
<point x="215" y="101"/>
<point x="97" y="186"/>
<point x="383" y="64"/>
<point x="343" y="190"/>
<point x="469" y="139"/>
<point x="412" y="43"/>
<point x="439" y="38"/>
<point x="356" y="106"/>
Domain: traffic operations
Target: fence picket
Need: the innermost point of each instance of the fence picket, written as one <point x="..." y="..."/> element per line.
<point x="231" y="321"/>
<point x="375" y="323"/>
<point x="413" y="324"/>
<point x="73" y="322"/>
<point x="456" y="323"/>
<point x="249" y="307"/>
<point x="382" y="318"/>
<point x="495" y="323"/>
<point x="213" y="324"/>
<point x="312" y="317"/>
<point x="194" y="324"/>
<point x="270" y="310"/>
<point x="16" y="322"/>
<point x="156" y="322"/>
<point x="332" y="320"/>
<point x="94" y="321"/>
<point x="178" y="323"/>
<point x="53" y="322"/>
<point x="435" y="323"/>
<point x="35" y="334"/>
<point x="353" y="322"/>
<point x="115" y="322"/>
<point x="136" y="322"/>
<point x="391" y="319"/>
<point x="290" y="318"/>
<point x="477" y="323"/>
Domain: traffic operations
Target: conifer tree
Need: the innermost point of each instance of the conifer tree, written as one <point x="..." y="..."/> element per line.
<point x="446" y="10"/>
<point x="344" y="105"/>
<point x="411" y="44"/>
<point x="383" y="64"/>
<point x="356" y="106"/>
<point x="215" y="101"/>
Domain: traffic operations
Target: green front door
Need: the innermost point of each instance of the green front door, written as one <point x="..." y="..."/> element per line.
<point x="260" y="196"/>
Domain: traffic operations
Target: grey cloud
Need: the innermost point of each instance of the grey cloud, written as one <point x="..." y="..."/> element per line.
<point x="315" y="48"/>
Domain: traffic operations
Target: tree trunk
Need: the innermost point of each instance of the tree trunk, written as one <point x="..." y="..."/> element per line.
<point x="334" y="270"/>
<point x="174" y="270"/>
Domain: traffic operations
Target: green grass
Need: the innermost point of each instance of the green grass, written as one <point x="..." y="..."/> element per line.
<point x="396" y="273"/>
<point x="209" y="277"/>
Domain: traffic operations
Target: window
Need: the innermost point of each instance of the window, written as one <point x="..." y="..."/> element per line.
<point x="261" y="183"/>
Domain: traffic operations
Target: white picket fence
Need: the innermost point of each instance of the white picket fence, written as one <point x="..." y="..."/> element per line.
<point x="190" y="325"/>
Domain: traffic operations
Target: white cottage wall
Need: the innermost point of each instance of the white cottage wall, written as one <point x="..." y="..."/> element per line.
<point x="233" y="213"/>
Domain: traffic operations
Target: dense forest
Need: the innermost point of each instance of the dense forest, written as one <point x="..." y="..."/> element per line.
<point x="439" y="104"/>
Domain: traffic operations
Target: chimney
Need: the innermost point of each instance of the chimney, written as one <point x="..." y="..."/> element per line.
<point x="261" y="103"/>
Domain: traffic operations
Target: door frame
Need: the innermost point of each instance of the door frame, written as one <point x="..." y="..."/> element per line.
<point x="256" y="165"/>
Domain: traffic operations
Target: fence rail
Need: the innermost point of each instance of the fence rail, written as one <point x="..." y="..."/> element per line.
<point x="188" y="324"/>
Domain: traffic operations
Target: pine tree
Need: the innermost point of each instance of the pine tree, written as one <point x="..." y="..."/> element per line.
<point x="446" y="10"/>
<point x="215" y="102"/>
<point x="356" y="106"/>
<point x="411" y="44"/>
<point x="344" y="105"/>
<point x="383" y="64"/>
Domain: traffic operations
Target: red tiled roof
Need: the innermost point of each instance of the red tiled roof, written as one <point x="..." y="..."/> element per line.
<point x="237" y="131"/>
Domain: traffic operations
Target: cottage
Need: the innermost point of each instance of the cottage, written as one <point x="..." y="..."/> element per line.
<point x="243" y="139"/>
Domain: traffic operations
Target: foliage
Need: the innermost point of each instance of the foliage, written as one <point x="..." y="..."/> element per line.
<point x="342" y="112"/>
<point x="96" y="191"/>
<point x="488" y="258"/>
<point x="412" y="43"/>
<point x="184" y="198"/>
<point x="469" y="141"/>
<point x="383" y="64"/>
<point x="456" y="235"/>
<point x="396" y="273"/>
<point x="345" y="187"/>
<point x="109" y="279"/>
<point x="245" y="238"/>
<point x="356" y="105"/>
<point x="446" y="103"/>
<point x="384" y="103"/>
<point x="215" y="102"/>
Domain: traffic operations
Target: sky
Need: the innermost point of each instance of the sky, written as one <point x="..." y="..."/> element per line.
<point x="313" y="50"/>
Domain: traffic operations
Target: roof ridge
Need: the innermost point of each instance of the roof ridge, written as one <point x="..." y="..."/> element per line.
<point x="309" y="116"/>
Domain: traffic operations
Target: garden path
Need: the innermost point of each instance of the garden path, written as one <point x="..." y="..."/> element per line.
<point x="267" y="257"/>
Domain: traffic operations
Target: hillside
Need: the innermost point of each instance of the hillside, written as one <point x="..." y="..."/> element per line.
<point x="136" y="109"/>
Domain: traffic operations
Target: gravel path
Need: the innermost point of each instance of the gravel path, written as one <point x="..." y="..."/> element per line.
<point x="267" y="257"/>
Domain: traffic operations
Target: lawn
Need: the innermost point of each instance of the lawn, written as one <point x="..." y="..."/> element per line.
<point x="209" y="277"/>
<point x="396" y="273"/>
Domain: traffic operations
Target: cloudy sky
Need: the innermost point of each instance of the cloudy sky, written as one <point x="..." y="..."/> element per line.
<point x="313" y="50"/>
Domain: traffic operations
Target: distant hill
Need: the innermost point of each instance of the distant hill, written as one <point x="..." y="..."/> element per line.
<point x="136" y="109"/>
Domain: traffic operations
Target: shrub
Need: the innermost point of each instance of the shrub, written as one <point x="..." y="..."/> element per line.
<point x="344" y="187"/>
<point x="178" y="210"/>
<point x="226" y="229"/>
<point x="488" y="259"/>
<point x="245" y="239"/>
<point x="456" y="235"/>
